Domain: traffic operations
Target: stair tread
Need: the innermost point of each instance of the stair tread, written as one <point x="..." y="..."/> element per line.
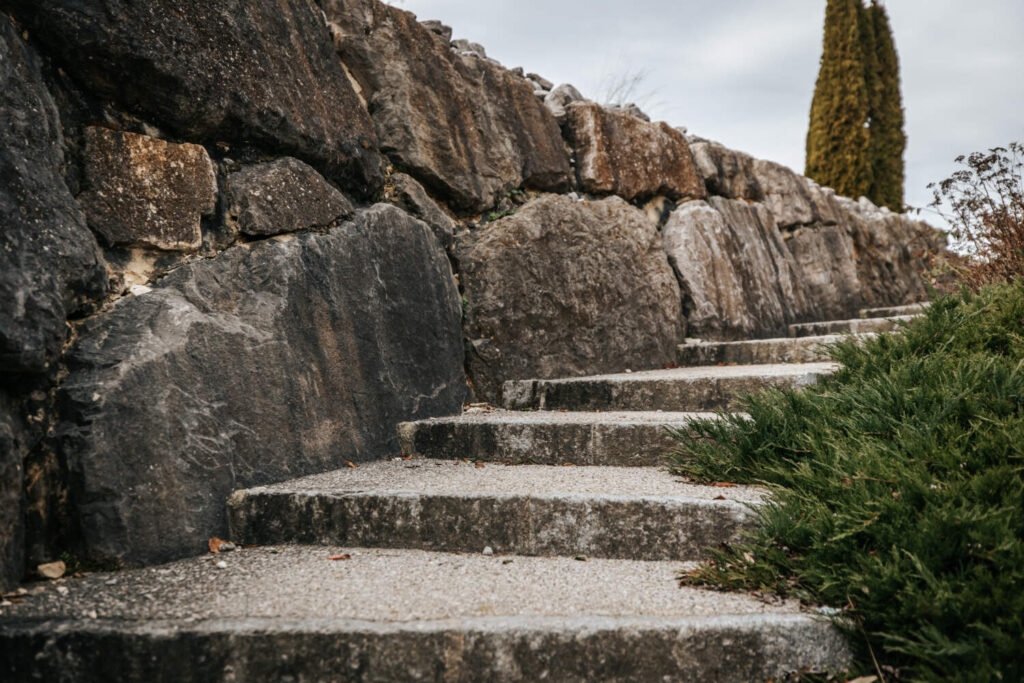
<point x="701" y="372"/>
<point x="572" y="417"/>
<point x="283" y="583"/>
<point x="452" y="478"/>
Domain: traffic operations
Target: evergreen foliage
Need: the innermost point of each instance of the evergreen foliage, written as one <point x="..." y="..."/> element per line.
<point x="898" y="491"/>
<point x="855" y="141"/>
<point x="888" y="141"/>
<point x="837" y="140"/>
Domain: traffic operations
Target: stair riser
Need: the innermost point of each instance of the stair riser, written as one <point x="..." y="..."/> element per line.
<point x="498" y="649"/>
<point x="594" y="526"/>
<point x="694" y="395"/>
<point x="612" y="444"/>
<point x="861" y="326"/>
<point x="767" y="352"/>
<point x="888" y="312"/>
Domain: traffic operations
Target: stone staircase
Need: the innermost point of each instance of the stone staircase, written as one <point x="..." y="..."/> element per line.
<point x="539" y="541"/>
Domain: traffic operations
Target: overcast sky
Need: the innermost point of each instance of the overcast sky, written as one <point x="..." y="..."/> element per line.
<point x="742" y="71"/>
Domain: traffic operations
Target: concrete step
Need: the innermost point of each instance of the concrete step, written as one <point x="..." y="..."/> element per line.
<point x="854" y="326"/>
<point x="757" y="351"/>
<point x="635" y="513"/>
<point x="891" y="311"/>
<point x="548" y="437"/>
<point x="680" y="389"/>
<point x="291" y="613"/>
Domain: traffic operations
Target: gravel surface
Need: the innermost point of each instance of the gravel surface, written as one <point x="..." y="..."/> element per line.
<point x="462" y="478"/>
<point x="301" y="582"/>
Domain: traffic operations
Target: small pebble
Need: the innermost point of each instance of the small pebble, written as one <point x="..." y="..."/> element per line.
<point x="92" y="614"/>
<point x="112" y="582"/>
<point x="221" y="565"/>
<point x="488" y="550"/>
<point x="63" y="590"/>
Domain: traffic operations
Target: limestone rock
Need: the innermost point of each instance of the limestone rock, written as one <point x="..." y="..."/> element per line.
<point x="270" y="361"/>
<point x="726" y="173"/>
<point x="439" y="28"/>
<point x="738" y="277"/>
<point x="793" y="199"/>
<point x="566" y="288"/>
<point x="467" y="129"/>
<point x="617" y="153"/>
<point x="146" y="192"/>
<point x="561" y="97"/>
<point x="544" y="83"/>
<point x="827" y="258"/>
<point x="410" y="196"/>
<point x="466" y="46"/>
<point x="257" y="72"/>
<point x="282" y="196"/>
<point x="50" y="264"/>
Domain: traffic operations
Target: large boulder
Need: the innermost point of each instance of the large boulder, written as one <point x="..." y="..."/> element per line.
<point x="257" y="72"/>
<point x="827" y="257"/>
<point x="617" y="153"/>
<point x="739" y="279"/>
<point x="466" y="128"/>
<point x="793" y="199"/>
<point x="142" y="191"/>
<point x="404" y="192"/>
<point x="271" y="361"/>
<point x="726" y="172"/>
<point x="50" y="264"/>
<point x="566" y="288"/>
<point x="279" y="196"/>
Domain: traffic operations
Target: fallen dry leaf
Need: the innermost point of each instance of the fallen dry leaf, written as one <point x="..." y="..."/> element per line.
<point x="351" y="464"/>
<point x="215" y="544"/>
<point x="720" y="498"/>
<point x="724" y="485"/>
<point x="478" y="465"/>
<point x="346" y="556"/>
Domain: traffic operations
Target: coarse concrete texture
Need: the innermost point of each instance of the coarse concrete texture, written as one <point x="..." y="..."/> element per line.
<point x="639" y="513"/>
<point x="909" y="309"/>
<point x="292" y="613"/>
<point x="853" y="326"/>
<point x="757" y="351"/>
<point x="678" y="389"/>
<point x="548" y="437"/>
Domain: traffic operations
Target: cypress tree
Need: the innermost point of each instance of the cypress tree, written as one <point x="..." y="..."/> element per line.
<point x="888" y="140"/>
<point x="838" y="137"/>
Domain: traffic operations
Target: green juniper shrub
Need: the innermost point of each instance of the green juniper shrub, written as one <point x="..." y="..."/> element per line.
<point x="898" y="491"/>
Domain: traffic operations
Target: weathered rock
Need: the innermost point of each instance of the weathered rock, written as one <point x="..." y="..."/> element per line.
<point x="566" y="288"/>
<point x="617" y="153"/>
<point x="410" y="196"/>
<point x="739" y="279"/>
<point x="257" y="72"/>
<point x="284" y="358"/>
<point x="892" y="253"/>
<point x="439" y="28"/>
<point x="726" y="172"/>
<point x="472" y="48"/>
<point x="631" y="109"/>
<point x="541" y="81"/>
<point x="50" y="264"/>
<point x="468" y="129"/>
<point x="561" y="97"/>
<point x="141" y="191"/>
<point x="282" y="196"/>
<point x="827" y="259"/>
<point x="793" y="199"/>
<point x="12" y="527"/>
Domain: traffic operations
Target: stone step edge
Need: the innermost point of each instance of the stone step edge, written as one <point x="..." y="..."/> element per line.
<point x="886" y="311"/>
<point x="853" y="325"/>
<point x="742" y="647"/>
<point x="559" y="524"/>
<point x="545" y="437"/>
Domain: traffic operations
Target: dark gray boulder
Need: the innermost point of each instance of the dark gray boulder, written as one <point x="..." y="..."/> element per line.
<point x="282" y="196"/>
<point x="566" y="288"/>
<point x="257" y="72"/>
<point x="50" y="264"/>
<point x="271" y="361"/>
<point x="468" y="129"/>
<point x="407" y="194"/>
<point x="12" y="523"/>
